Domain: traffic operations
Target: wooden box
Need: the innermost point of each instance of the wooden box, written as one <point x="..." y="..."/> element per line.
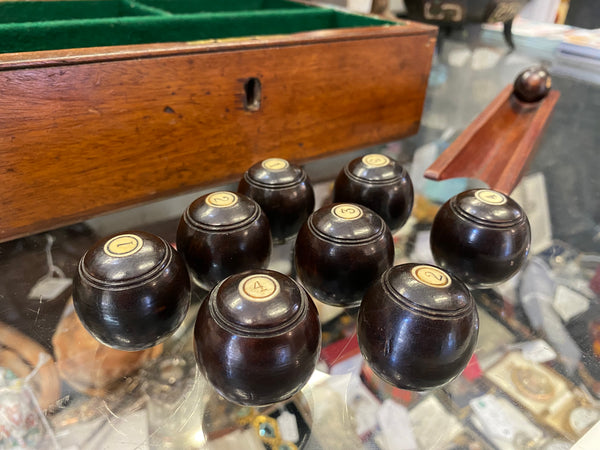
<point x="110" y="103"/>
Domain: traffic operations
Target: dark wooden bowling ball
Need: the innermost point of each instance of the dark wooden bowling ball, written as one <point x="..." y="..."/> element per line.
<point x="257" y="337"/>
<point x="131" y="290"/>
<point x="532" y="85"/>
<point x="283" y="191"/>
<point x="223" y="233"/>
<point x="380" y="184"/>
<point x="340" y="251"/>
<point x="481" y="236"/>
<point x="417" y="326"/>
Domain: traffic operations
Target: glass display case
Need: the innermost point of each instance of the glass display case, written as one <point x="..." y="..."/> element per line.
<point x="534" y="379"/>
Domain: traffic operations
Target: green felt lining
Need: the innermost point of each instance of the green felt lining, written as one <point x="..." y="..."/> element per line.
<point x="137" y="22"/>
<point x="43" y="11"/>
<point x="196" y="6"/>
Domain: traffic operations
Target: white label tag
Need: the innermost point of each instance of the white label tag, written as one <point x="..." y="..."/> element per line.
<point x="568" y="303"/>
<point x="538" y="351"/>
<point x="288" y="427"/>
<point x="428" y="417"/>
<point x="363" y="406"/>
<point x="422" y="248"/>
<point x="396" y="427"/>
<point x="531" y="195"/>
<point x="48" y="288"/>
<point x="489" y="412"/>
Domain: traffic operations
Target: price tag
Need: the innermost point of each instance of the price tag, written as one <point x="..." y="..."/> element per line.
<point x="568" y="303"/>
<point x="531" y="195"/>
<point x="395" y="425"/>
<point x="427" y="418"/>
<point x="538" y="351"/>
<point x="422" y="248"/>
<point x="490" y="413"/>
<point x="51" y="285"/>
<point x="288" y="427"/>
<point x="363" y="406"/>
<point x="48" y="288"/>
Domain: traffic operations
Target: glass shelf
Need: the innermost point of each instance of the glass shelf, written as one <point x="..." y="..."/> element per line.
<point x="534" y="381"/>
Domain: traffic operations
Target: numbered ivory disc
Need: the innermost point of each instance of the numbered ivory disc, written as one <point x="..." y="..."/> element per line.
<point x="221" y="199"/>
<point x="490" y="197"/>
<point x="259" y="288"/>
<point x="275" y="164"/>
<point x="347" y="211"/>
<point x="431" y="276"/>
<point x="123" y="245"/>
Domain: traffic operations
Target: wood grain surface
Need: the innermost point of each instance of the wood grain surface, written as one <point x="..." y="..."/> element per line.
<point x="94" y="130"/>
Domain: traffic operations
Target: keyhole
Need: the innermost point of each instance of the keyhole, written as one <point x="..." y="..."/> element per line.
<point x="252" y="89"/>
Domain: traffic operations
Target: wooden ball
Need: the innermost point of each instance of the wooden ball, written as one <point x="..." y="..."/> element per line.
<point x="223" y="233"/>
<point x="340" y="251"/>
<point x="131" y="290"/>
<point x="284" y="193"/>
<point x="481" y="236"/>
<point x="417" y="326"/>
<point x="257" y="337"/>
<point x="532" y="85"/>
<point x="380" y="184"/>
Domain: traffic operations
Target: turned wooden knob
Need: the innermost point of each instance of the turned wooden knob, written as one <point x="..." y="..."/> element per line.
<point x="257" y="337"/>
<point x="283" y="191"/>
<point x="223" y="233"/>
<point x="379" y="183"/>
<point x="340" y="251"/>
<point x="532" y="85"/>
<point x="131" y="290"/>
<point x="481" y="236"/>
<point x="417" y="326"/>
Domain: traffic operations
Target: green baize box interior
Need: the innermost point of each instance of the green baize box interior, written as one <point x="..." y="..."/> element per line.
<point x="50" y="25"/>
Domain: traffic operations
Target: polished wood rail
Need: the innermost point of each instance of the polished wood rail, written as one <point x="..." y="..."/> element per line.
<point x="498" y="145"/>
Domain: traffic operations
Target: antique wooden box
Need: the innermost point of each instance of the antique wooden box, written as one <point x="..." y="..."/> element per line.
<point x="105" y="104"/>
